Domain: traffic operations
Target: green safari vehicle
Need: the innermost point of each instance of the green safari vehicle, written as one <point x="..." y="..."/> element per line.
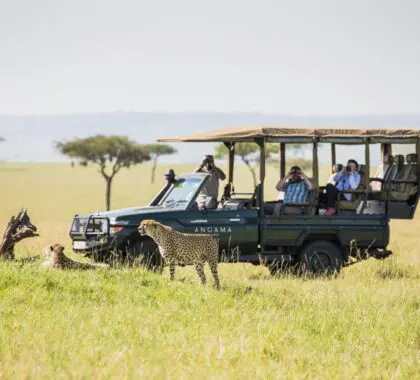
<point x="248" y="228"/>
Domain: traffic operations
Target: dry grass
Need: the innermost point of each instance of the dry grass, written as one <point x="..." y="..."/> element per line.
<point x="129" y="323"/>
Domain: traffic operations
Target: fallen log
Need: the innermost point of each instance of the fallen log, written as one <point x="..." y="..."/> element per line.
<point x="18" y="228"/>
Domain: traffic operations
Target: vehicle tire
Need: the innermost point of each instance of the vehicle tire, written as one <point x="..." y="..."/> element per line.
<point x="145" y="253"/>
<point x="321" y="257"/>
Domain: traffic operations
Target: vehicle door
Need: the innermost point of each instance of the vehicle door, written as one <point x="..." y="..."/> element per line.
<point x="237" y="231"/>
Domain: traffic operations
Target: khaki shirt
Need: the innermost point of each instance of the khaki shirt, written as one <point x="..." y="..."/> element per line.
<point x="211" y="189"/>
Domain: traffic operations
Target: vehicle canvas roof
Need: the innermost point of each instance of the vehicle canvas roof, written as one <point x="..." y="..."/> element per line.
<point x="286" y="134"/>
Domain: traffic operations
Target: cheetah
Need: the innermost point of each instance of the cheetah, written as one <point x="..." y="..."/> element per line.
<point x="55" y="258"/>
<point x="184" y="249"/>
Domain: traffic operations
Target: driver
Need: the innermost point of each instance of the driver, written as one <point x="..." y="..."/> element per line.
<point x="209" y="194"/>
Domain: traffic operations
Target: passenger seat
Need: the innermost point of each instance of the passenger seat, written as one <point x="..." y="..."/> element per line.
<point x="383" y="173"/>
<point x="303" y="208"/>
<point x="405" y="183"/>
<point x="393" y="172"/>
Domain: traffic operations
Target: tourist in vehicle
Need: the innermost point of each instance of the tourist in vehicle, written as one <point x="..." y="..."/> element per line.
<point x="296" y="186"/>
<point x="210" y="192"/>
<point x="345" y="180"/>
<point x="335" y="169"/>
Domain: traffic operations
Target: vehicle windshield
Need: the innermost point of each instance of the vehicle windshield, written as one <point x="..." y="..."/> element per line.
<point x="181" y="192"/>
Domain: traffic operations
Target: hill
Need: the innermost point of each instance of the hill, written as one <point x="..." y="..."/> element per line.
<point x="30" y="138"/>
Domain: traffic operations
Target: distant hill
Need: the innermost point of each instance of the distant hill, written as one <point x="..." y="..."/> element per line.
<point x="31" y="138"/>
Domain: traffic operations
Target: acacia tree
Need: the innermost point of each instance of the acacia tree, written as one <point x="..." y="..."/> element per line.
<point x="249" y="152"/>
<point x="110" y="153"/>
<point x="157" y="150"/>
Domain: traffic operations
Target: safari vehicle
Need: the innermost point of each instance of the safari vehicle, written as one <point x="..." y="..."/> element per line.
<point x="248" y="228"/>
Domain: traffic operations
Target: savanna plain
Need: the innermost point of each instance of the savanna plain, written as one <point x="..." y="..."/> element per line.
<point x="129" y="323"/>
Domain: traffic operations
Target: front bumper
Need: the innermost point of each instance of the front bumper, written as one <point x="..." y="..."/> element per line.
<point x="90" y="234"/>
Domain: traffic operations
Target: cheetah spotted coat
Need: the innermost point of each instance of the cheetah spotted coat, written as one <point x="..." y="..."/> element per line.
<point x="179" y="248"/>
<point x="55" y="258"/>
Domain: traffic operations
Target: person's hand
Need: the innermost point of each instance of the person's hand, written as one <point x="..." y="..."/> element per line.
<point x="303" y="175"/>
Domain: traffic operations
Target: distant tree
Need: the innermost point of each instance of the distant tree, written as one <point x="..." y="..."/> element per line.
<point x="249" y="153"/>
<point x="110" y="153"/>
<point x="294" y="157"/>
<point x="157" y="150"/>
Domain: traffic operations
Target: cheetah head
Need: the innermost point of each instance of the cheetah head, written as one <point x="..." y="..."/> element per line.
<point x="49" y="249"/>
<point x="150" y="227"/>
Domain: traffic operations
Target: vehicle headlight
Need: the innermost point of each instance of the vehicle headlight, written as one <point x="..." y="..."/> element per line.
<point x="115" y="229"/>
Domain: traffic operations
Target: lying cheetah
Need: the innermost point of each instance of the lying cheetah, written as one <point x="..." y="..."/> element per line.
<point x="183" y="249"/>
<point x="55" y="258"/>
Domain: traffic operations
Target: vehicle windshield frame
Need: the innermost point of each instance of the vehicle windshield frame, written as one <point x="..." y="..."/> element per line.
<point x="195" y="182"/>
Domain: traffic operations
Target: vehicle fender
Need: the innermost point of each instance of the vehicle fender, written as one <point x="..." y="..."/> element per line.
<point x="333" y="237"/>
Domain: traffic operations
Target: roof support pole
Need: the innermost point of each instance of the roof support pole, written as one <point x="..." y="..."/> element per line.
<point x="385" y="149"/>
<point x="231" y="157"/>
<point x="367" y="163"/>
<point x="333" y="155"/>
<point x="315" y="179"/>
<point x="261" y="144"/>
<point x="282" y="160"/>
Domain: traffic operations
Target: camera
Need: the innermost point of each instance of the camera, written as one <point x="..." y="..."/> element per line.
<point x="348" y="168"/>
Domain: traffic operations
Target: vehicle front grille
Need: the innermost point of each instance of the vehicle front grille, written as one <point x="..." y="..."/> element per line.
<point x="89" y="226"/>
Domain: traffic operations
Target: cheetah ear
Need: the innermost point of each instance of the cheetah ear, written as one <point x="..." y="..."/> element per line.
<point x="51" y="247"/>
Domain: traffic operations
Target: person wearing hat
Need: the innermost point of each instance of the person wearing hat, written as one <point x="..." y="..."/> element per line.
<point x="210" y="192"/>
<point x="296" y="186"/>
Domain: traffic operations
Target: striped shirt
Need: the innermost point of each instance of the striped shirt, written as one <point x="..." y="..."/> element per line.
<point x="295" y="192"/>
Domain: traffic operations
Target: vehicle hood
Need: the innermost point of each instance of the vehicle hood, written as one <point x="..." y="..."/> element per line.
<point x="134" y="214"/>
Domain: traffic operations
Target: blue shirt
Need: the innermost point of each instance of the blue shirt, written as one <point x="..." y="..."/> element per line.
<point x="295" y="192"/>
<point x="347" y="181"/>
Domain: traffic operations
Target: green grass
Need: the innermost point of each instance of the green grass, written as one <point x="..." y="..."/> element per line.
<point x="129" y="323"/>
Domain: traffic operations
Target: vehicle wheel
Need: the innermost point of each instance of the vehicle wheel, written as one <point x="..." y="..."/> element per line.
<point x="146" y="253"/>
<point x="321" y="257"/>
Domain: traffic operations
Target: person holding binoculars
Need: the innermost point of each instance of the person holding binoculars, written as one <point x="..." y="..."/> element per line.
<point x="209" y="194"/>
<point x="343" y="178"/>
<point x="296" y="186"/>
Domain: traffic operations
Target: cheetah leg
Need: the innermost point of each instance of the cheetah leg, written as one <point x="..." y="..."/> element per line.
<point x="200" y="270"/>
<point x="213" y="268"/>
<point x="171" y="271"/>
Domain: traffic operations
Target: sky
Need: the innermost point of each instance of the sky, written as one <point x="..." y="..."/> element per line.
<point x="313" y="57"/>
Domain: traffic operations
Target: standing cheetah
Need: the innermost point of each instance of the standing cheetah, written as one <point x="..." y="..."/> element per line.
<point x="55" y="258"/>
<point x="183" y="249"/>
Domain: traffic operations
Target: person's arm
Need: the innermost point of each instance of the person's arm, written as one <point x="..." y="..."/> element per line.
<point x="308" y="183"/>
<point x="220" y="173"/>
<point x="355" y="181"/>
<point x="338" y="176"/>
<point x="199" y="168"/>
<point x="281" y="185"/>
